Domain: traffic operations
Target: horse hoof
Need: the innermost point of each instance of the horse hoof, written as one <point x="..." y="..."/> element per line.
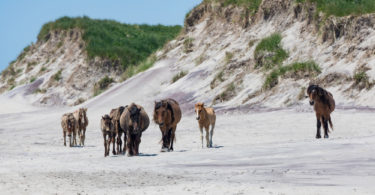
<point x="325" y="136"/>
<point x="318" y="137"/>
<point x="164" y="150"/>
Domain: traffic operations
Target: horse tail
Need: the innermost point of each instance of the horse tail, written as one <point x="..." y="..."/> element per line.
<point x="330" y="122"/>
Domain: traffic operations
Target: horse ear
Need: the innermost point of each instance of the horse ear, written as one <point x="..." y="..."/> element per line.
<point x="202" y="104"/>
<point x="102" y="117"/>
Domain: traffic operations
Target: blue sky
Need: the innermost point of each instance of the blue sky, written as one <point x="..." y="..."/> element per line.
<point x="21" y="20"/>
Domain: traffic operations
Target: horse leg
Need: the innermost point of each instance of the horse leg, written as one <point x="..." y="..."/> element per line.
<point x="325" y="126"/>
<point x="201" y="130"/>
<point x="318" y="125"/>
<point x="135" y="146"/>
<point x="124" y="150"/>
<point x="74" y="138"/>
<point x="64" y="134"/>
<point x="138" y="140"/>
<point x="119" y="147"/>
<point x="164" y="148"/>
<point x="113" y="140"/>
<point x="83" y="136"/>
<point x="172" y="132"/>
<point x="105" y="144"/>
<point x="207" y="136"/>
<point x="130" y="145"/>
<point x="211" y="133"/>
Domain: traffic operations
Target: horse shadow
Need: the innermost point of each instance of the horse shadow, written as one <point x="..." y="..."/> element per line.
<point x="146" y="155"/>
<point x="217" y="147"/>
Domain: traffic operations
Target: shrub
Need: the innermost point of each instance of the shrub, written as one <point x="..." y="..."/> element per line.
<point x="102" y="84"/>
<point x="108" y="39"/>
<point x="57" y="76"/>
<point x="219" y="77"/>
<point x="32" y="79"/>
<point x="269" y="53"/>
<point x="344" y="7"/>
<point x="298" y="69"/>
<point x="188" y="44"/>
<point x="178" y="76"/>
<point x="228" y="93"/>
<point x="251" y="5"/>
<point x="228" y="57"/>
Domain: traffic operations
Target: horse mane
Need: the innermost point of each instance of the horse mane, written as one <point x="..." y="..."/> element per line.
<point x="322" y="93"/>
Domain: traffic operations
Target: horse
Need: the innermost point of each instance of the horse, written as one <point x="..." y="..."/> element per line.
<point x="68" y="126"/>
<point x="324" y="105"/>
<point x="134" y="120"/>
<point x="205" y="118"/>
<point x="115" y="114"/>
<point x="109" y="134"/>
<point x="167" y="114"/>
<point x="81" y="124"/>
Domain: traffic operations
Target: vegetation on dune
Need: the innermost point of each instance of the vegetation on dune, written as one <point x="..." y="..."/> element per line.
<point x="269" y="53"/>
<point x="178" y="76"/>
<point x="57" y="76"/>
<point x="298" y="69"/>
<point x="228" y="93"/>
<point x="252" y="5"/>
<point x="343" y="7"/>
<point x="144" y="65"/>
<point x="128" y="44"/>
<point x="102" y="84"/>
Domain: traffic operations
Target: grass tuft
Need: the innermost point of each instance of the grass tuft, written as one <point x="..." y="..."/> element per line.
<point x="178" y="76"/>
<point x="298" y="69"/>
<point x="269" y="53"/>
<point x="102" y="85"/>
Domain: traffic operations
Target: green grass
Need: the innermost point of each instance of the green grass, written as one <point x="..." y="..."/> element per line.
<point x="128" y="44"/>
<point x="269" y="52"/>
<point x="102" y="85"/>
<point x="228" y="57"/>
<point x="343" y="7"/>
<point x="252" y="5"/>
<point x="360" y="77"/>
<point x="178" y="76"/>
<point x="57" y="76"/>
<point x="144" y="65"/>
<point x="294" y="69"/>
<point x="229" y="92"/>
<point x="188" y="44"/>
<point x="32" y="79"/>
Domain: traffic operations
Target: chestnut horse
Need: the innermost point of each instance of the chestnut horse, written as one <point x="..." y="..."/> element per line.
<point x="115" y="115"/>
<point x="68" y="125"/>
<point x="134" y="120"/>
<point x="167" y="114"/>
<point x="109" y="134"/>
<point x="205" y="117"/>
<point x="324" y="105"/>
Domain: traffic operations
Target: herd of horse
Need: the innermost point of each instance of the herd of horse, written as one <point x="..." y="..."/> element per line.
<point x="132" y="120"/>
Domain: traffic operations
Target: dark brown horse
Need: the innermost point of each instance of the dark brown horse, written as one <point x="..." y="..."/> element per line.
<point x="324" y="105"/>
<point x="167" y="114"/>
<point x="134" y="120"/>
<point x="109" y="134"/>
<point x="115" y="115"/>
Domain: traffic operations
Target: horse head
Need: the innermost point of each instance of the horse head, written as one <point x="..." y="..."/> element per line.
<point x="160" y="112"/>
<point x="198" y="109"/>
<point x="135" y="115"/>
<point x="107" y="122"/>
